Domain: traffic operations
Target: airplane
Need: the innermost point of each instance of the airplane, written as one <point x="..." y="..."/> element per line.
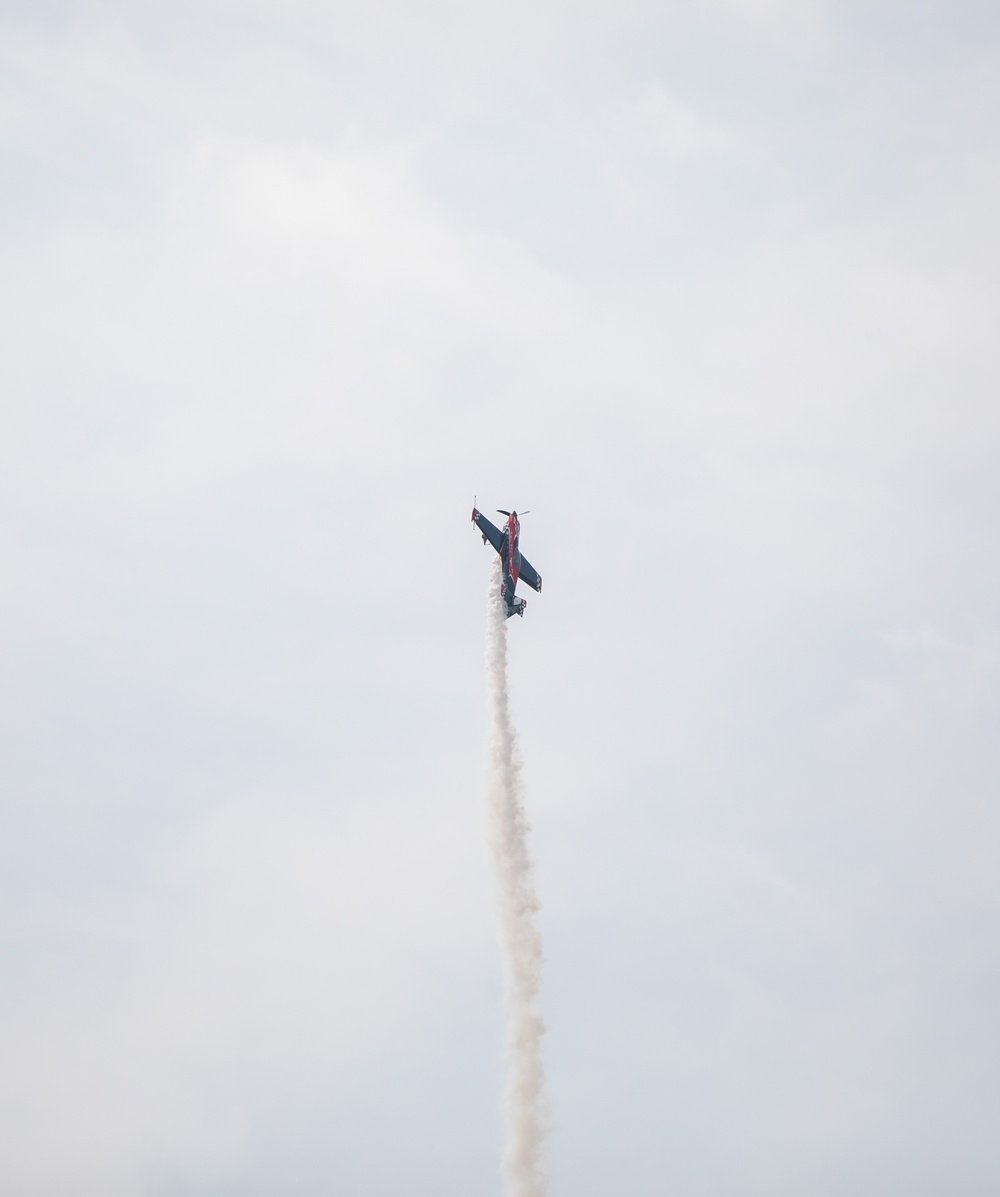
<point x="515" y="564"/>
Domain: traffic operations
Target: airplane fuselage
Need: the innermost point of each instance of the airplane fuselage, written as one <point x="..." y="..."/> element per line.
<point x="512" y="560"/>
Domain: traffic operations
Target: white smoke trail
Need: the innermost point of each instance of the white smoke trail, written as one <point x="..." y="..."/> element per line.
<point x="520" y="938"/>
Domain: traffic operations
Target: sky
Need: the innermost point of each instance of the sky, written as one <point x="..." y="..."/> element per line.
<point x="709" y="286"/>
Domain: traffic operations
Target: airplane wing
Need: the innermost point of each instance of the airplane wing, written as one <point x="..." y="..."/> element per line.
<point x="490" y="531"/>
<point x="530" y="575"/>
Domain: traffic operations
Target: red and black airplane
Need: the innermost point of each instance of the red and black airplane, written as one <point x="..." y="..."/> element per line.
<point x="515" y="564"/>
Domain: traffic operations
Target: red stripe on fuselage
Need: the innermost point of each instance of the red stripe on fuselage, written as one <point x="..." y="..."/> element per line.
<point x="513" y="560"/>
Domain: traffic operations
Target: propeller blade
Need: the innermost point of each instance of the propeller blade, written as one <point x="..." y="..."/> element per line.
<point x="501" y="511"/>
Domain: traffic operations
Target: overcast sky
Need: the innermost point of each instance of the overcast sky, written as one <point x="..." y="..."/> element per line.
<point x="712" y="287"/>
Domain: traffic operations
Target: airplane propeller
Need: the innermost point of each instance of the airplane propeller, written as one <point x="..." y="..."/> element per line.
<point x="501" y="511"/>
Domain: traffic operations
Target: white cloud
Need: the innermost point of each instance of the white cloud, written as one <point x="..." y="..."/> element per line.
<point x="670" y="127"/>
<point x="939" y="671"/>
<point x="800" y="27"/>
<point x="285" y="946"/>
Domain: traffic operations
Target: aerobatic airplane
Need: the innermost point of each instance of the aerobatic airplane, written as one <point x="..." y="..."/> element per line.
<point x="515" y="564"/>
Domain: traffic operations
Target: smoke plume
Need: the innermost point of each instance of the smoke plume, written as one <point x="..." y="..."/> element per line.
<point x="520" y="938"/>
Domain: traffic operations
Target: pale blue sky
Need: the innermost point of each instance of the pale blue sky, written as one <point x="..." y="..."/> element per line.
<point x="712" y="288"/>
